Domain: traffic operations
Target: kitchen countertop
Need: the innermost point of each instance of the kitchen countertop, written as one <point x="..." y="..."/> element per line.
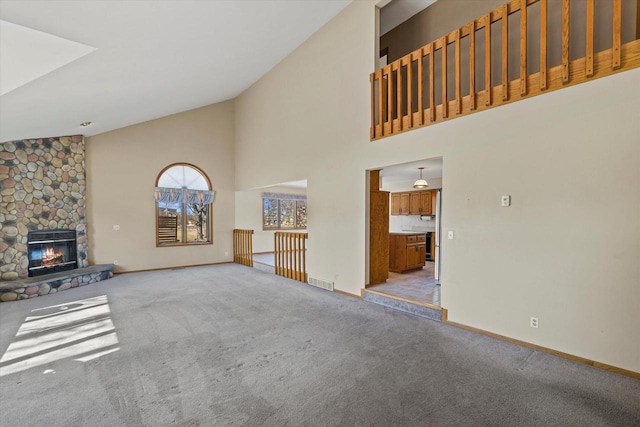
<point x="409" y="233"/>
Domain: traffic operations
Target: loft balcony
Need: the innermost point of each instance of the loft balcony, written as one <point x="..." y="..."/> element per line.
<point x="522" y="49"/>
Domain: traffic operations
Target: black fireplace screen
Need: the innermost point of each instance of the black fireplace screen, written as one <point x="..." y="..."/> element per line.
<point x="51" y="251"/>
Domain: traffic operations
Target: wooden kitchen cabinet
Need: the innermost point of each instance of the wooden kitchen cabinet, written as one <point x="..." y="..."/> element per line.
<point x="420" y="202"/>
<point x="413" y="203"/>
<point x="400" y="203"/>
<point x="407" y="251"/>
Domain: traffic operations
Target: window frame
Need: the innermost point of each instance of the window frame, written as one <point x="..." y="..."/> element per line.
<point x="295" y="198"/>
<point x="184" y="215"/>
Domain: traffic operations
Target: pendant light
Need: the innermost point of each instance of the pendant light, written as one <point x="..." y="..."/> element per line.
<point x="420" y="183"/>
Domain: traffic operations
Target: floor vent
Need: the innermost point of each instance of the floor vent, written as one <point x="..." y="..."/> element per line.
<point x="319" y="283"/>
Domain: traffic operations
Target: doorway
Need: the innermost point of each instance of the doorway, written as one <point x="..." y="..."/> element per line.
<point x="414" y="218"/>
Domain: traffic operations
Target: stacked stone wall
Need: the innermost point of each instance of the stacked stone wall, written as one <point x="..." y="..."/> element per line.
<point x="42" y="187"/>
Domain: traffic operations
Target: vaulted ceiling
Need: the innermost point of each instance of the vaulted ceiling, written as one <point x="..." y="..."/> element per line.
<point x="117" y="63"/>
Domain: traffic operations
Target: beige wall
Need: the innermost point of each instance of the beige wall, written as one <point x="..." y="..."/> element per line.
<point x="122" y="167"/>
<point x="566" y="251"/>
<point x="249" y="214"/>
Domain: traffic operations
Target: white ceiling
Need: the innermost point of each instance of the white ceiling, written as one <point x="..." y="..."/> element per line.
<point x="405" y="172"/>
<point x="151" y="58"/>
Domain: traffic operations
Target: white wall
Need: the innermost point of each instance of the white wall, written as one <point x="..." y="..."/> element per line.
<point x="249" y="214"/>
<point x="122" y="167"/>
<point x="569" y="159"/>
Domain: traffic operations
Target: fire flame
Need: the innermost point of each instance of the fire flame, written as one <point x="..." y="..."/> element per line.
<point x="51" y="257"/>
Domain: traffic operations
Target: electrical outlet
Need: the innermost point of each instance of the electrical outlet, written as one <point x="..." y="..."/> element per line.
<point x="506" y="201"/>
<point x="533" y="322"/>
<point x="116" y="228"/>
<point x="226" y="253"/>
<point x="450" y="235"/>
<point x="115" y="262"/>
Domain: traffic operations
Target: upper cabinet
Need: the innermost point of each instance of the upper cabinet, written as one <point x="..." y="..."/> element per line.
<point x="400" y="203"/>
<point x="413" y="203"/>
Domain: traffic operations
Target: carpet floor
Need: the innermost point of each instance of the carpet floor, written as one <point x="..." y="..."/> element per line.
<point x="228" y="345"/>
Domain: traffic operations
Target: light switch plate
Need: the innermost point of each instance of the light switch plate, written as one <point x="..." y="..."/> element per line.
<point x="450" y="235"/>
<point x="116" y="228"/>
<point x="506" y="200"/>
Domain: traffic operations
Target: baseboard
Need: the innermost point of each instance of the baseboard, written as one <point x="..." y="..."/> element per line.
<point x="568" y="356"/>
<point x="179" y="267"/>
<point x="349" y="294"/>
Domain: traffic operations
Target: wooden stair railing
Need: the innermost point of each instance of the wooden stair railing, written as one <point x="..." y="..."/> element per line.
<point x="243" y="247"/>
<point x="403" y="92"/>
<point x="290" y="252"/>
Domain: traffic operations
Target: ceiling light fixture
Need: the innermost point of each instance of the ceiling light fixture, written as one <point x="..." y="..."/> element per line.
<point x="420" y="183"/>
<point x="85" y="124"/>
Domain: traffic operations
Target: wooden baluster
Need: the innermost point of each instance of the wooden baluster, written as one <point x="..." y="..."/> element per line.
<point x="472" y="66"/>
<point x="240" y="247"/>
<point x="390" y="98"/>
<point x="279" y="254"/>
<point x="487" y="59"/>
<point x="565" y="41"/>
<point x="399" y="95"/>
<point x="505" y="53"/>
<point x="251" y="248"/>
<point x="420" y="88"/>
<point x="432" y="101"/>
<point x="304" y="253"/>
<point x="589" y="58"/>
<point x="300" y="252"/>
<point x="445" y="103"/>
<point x="380" y="131"/>
<point x="523" y="47"/>
<point x="275" y="252"/>
<point x="410" y="90"/>
<point x="245" y="248"/>
<point x="372" y="131"/>
<point x="617" y="19"/>
<point x="458" y="70"/>
<point x="295" y="256"/>
<point x="290" y="251"/>
<point x="543" y="44"/>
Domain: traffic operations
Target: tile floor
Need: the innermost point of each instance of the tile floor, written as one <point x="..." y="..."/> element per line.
<point x="416" y="285"/>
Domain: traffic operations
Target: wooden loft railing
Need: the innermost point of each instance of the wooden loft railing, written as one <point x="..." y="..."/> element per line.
<point x="403" y="93"/>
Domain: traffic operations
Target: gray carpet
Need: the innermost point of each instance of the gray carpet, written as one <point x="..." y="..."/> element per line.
<point x="232" y="346"/>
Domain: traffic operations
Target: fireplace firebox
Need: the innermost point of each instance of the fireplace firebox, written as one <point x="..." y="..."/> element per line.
<point x="51" y="251"/>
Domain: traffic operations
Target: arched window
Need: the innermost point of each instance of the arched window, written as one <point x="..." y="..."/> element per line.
<point x="183" y="206"/>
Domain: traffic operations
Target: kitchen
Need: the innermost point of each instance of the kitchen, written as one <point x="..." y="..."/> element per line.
<point x="415" y="191"/>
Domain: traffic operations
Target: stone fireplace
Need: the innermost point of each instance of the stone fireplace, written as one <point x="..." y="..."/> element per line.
<point x="42" y="188"/>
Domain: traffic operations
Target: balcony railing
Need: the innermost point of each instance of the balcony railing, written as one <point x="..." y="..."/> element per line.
<point x="469" y="69"/>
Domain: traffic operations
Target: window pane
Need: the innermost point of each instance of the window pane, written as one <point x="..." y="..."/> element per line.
<point x="270" y="213"/>
<point x="287" y="213"/>
<point x="301" y="214"/>
<point x="169" y="222"/>
<point x="197" y="222"/>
